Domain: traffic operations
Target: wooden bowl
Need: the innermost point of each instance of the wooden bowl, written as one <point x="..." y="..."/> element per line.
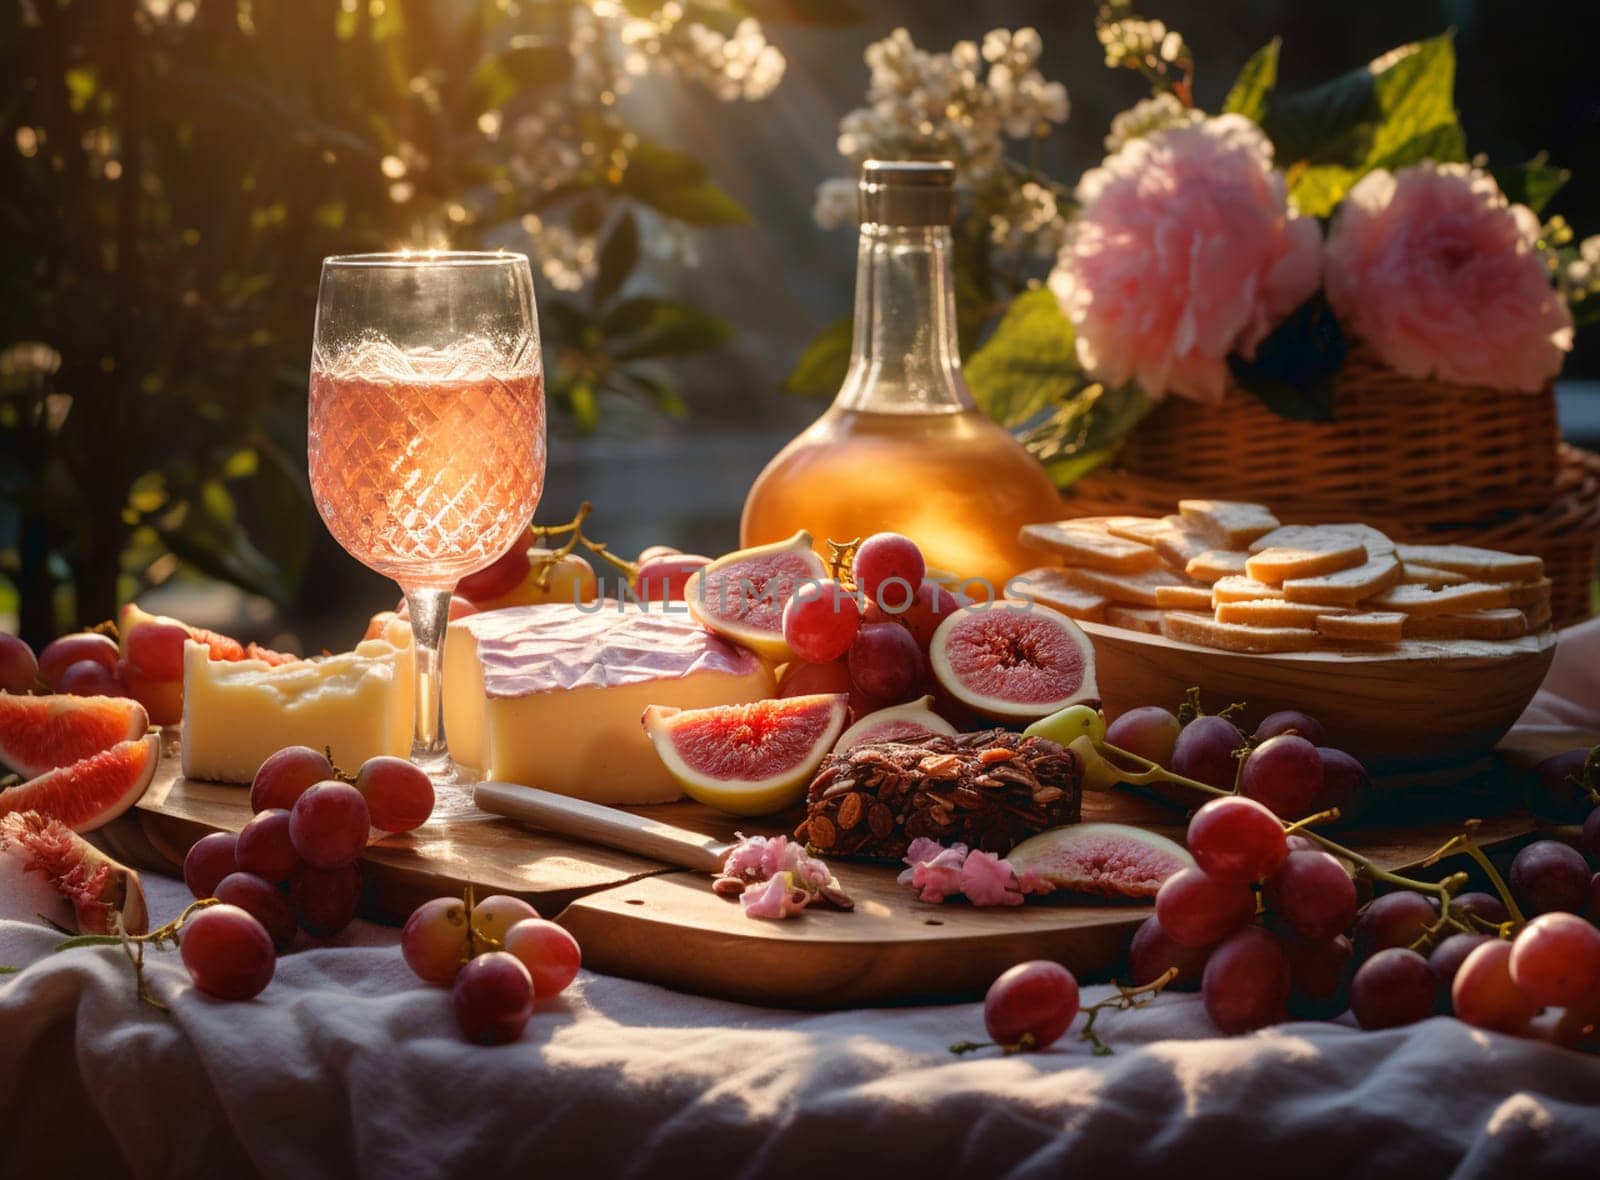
<point x="1424" y="703"/>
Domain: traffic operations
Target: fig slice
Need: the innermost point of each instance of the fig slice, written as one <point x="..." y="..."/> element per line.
<point x="48" y="870"/>
<point x="1012" y="661"/>
<point x="93" y="791"/>
<point x="898" y="723"/>
<point x="741" y="595"/>
<point x="40" y="734"/>
<point x="753" y="759"/>
<point x="1108" y="860"/>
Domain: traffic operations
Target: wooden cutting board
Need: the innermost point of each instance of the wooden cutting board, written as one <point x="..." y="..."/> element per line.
<point x="640" y="919"/>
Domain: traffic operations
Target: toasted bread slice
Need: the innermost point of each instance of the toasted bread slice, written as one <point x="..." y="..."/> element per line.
<point x="1180" y="543"/>
<point x="1074" y="543"/>
<point x="1132" y="589"/>
<point x="1538" y="615"/>
<point x="1183" y="597"/>
<point x="1503" y="623"/>
<point x="1272" y="612"/>
<point x="1242" y="590"/>
<point x="1484" y="565"/>
<point x="1526" y="594"/>
<point x="1373" y="541"/>
<point x="1347" y="587"/>
<point x="1133" y="528"/>
<point x="1048" y="587"/>
<point x="1428" y="575"/>
<point x="1188" y="627"/>
<point x="1414" y="599"/>
<point x="1134" y="618"/>
<point x="1363" y="626"/>
<point x="1232" y="524"/>
<point x="1310" y="554"/>
<point x="1216" y="563"/>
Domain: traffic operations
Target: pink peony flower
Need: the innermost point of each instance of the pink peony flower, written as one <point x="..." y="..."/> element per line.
<point x="1438" y="273"/>
<point x="935" y="871"/>
<point x="773" y="899"/>
<point x="988" y="880"/>
<point x="1185" y="251"/>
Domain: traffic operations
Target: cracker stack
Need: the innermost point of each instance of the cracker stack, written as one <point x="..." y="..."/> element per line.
<point x="1226" y="574"/>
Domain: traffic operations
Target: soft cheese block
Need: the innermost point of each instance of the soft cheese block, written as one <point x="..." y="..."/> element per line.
<point x="237" y="713"/>
<point x="550" y="696"/>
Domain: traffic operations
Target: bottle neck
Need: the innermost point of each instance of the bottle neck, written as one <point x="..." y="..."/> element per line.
<point x="904" y="358"/>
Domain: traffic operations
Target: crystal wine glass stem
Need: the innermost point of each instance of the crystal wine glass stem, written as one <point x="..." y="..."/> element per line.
<point x="430" y="614"/>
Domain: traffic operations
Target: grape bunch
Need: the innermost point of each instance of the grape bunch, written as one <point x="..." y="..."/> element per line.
<point x="294" y="865"/>
<point x="498" y="962"/>
<point x="870" y="642"/>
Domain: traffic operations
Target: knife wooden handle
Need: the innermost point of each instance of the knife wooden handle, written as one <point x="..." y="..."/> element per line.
<point x="610" y="827"/>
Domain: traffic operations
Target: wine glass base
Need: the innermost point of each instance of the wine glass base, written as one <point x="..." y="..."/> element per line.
<point x="452" y="786"/>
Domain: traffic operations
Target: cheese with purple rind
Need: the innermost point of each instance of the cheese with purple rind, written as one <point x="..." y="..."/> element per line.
<point x="550" y="695"/>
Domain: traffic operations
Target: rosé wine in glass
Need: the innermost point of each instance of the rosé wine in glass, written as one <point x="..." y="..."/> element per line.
<point x="427" y="433"/>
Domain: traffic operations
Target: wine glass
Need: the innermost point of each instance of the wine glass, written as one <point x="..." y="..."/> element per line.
<point x="426" y="434"/>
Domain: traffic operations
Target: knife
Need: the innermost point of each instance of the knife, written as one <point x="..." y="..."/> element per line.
<point x="610" y="827"/>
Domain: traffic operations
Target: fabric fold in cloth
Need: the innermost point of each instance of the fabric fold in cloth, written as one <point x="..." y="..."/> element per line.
<point x="348" y="1065"/>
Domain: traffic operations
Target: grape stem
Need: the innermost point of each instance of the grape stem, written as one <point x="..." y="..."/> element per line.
<point x="575" y="528"/>
<point x="133" y="944"/>
<point x="1154" y="772"/>
<point x="1127" y="998"/>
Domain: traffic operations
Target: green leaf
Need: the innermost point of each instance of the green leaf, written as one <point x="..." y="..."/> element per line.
<point x="618" y="257"/>
<point x="89" y="940"/>
<point x="1533" y="183"/>
<point x="1086" y="430"/>
<point x="581" y="401"/>
<point x="1029" y="362"/>
<point x="1293" y="370"/>
<point x="527" y="65"/>
<point x="1394" y="111"/>
<point x="821" y="368"/>
<point x="9" y="970"/>
<point x="1255" y="83"/>
<point x="677" y="184"/>
<point x="650" y="327"/>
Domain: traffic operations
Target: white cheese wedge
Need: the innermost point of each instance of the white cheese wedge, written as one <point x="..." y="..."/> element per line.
<point x="236" y="713"/>
<point x="550" y="696"/>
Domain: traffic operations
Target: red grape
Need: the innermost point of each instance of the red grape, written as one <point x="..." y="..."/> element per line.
<point x="1205" y="750"/>
<point x="1285" y="774"/>
<point x="266" y="847"/>
<point x="493" y="998"/>
<point x="1346" y="785"/>
<point x="326" y="900"/>
<point x="19" y="670"/>
<point x="1151" y="733"/>
<point x="1319" y="976"/>
<point x="885" y="663"/>
<point x="819" y="621"/>
<point x="1548" y="875"/>
<point x="262" y="902"/>
<point x="1037" y="1000"/>
<point x="1555" y="960"/>
<point x="803" y="680"/>
<point x="1395" y="919"/>
<point x="664" y="578"/>
<point x="434" y="941"/>
<point x="1313" y="894"/>
<point x="499" y="576"/>
<point x="1299" y="843"/>
<point x="1154" y="951"/>
<point x="1480" y="905"/>
<point x="157" y="649"/>
<point x="882" y="558"/>
<point x="1246" y="982"/>
<point x="497" y="913"/>
<point x="62" y="653"/>
<point x="1594" y="895"/>
<point x="1394" y="987"/>
<point x="1198" y="910"/>
<point x="548" y="951"/>
<point x="1292" y="721"/>
<point x="1590" y="840"/>
<point x="228" y="953"/>
<point x="286" y="775"/>
<point x="1448" y="956"/>
<point x="1237" y="839"/>
<point x="329" y="825"/>
<point x="932" y="606"/>
<point x="1484" y="994"/>
<point x="162" y="699"/>
<point x="1558" y="791"/>
<point x="89" y="678"/>
<point x="399" y="794"/>
<point x="210" y="858"/>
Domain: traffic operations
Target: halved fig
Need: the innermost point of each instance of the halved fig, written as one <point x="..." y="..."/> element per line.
<point x="1013" y="661"/>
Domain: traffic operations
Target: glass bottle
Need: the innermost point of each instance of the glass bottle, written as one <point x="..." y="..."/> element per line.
<point x="903" y="447"/>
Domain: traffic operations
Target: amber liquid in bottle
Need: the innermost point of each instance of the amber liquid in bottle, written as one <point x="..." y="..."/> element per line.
<point x="903" y="447"/>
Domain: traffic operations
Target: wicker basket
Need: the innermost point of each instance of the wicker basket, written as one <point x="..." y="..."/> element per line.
<point x="1564" y="528"/>
<point x="1398" y="447"/>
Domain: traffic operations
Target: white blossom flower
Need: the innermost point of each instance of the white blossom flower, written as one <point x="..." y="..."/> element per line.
<point x="836" y="203"/>
<point x="1147" y="116"/>
<point x="567" y="260"/>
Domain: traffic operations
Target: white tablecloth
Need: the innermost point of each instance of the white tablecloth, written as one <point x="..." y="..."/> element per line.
<point x="346" y="1065"/>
